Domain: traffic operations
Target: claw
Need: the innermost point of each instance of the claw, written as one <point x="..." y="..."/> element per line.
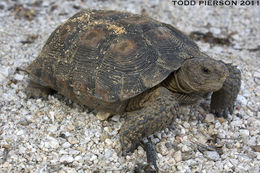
<point x="128" y="147"/>
<point x="218" y="114"/>
<point x="145" y="169"/>
<point x="129" y="150"/>
<point x="151" y="154"/>
<point x="231" y="109"/>
<point x="225" y="114"/>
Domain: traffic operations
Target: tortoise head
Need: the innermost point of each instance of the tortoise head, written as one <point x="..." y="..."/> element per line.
<point x="198" y="75"/>
<point x="203" y="74"/>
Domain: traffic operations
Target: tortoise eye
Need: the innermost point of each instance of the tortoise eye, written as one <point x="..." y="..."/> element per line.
<point x="205" y="70"/>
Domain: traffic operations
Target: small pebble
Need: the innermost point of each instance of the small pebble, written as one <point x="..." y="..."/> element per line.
<point x="78" y="158"/>
<point x="209" y="118"/>
<point x="257" y="74"/>
<point x="186" y="125"/>
<point x="73" y="152"/>
<point x="18" y="77"/>
<point x="256" y="148"/>
<point x="185" y="148"/>
<point x="177" y="156"/>
<point x="116" y="118"/>
<point x="66" y="145"/>
<point x="241" y="99"/>
<point x="161" y="148"/>
<point x="52" y="143"/>
<point x="20" y="132"/>
<point x="244" y="133"/>
<point x="73" y="140"/>
<point x="213" y="155"/>
<point x="103" y="115"/>
<point x="108" y="142"/>
<point x="66" y="158"/>
<point x="169" y="145"/>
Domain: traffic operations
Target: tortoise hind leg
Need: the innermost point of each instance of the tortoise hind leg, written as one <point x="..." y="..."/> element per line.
<point x="223" y="100"/>
<point x="35" y="90"/>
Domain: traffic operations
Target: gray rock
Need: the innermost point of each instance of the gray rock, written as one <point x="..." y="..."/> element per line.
<point x="212" y="155"/>
<point x="116" y="118"/>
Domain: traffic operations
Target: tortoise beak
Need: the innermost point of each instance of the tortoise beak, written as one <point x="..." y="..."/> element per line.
<point x="224" y="73"/>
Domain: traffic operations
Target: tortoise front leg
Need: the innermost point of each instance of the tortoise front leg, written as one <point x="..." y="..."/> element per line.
<point x="223" y="100"/>
<point x="159" y="114"/>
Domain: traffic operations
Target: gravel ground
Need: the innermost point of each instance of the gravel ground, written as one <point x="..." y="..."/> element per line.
<point x="55" y="135"/>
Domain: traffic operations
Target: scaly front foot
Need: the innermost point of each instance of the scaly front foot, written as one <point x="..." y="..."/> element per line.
<point x="223" y="100"/>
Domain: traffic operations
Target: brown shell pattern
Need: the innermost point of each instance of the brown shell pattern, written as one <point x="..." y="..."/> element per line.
<point x="109" y="55"/>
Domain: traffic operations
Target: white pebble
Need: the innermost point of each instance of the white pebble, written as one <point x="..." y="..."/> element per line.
<point x="73" y="152"/>
<point x="20" y="132"/>
<point x="161" y="148"/>
<point x="93" y="157"/>
<point x="241" y="99"/>
<point x="4" y="71"/>
<point x="251" y="141"/>
<point x="73" y="140"/>
<point x="78" y="158"/>
<point x="52" y="128"/>
<point x="52" y="143"/>
<point x="185" y="148"/>
<point x="213" y="155"/>
<point x="209" y="118"/>
<point x="66" y="158"/>
<point x="18" y="77"/>
<point x="108" y="153"/>
<point x="215" y="30"/>
<point x="228" y="166"/>
<point x="2" y="78"/>
<point x="257" y="74"/>
<point x="108" y="142"/>
<point x="66" y="145"/>
<point x="244" y="133"/>
<point x="186" y="125"/>
<point x="236" y="123"/>
<point x="62" y="151"/>
<point x="177" y="156"/>
<point x="116" y="118"/>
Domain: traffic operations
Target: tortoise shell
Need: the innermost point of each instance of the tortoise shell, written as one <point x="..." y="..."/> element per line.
<point x="110" y="56"/>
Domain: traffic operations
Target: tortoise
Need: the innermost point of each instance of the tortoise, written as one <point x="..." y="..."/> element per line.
<point x="120" y="62"/>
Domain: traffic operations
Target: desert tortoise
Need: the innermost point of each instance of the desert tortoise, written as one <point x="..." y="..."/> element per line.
<point x="121" y="62"/>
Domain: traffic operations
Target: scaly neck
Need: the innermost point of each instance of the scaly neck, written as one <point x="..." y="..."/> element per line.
<point x="178" y="82"/>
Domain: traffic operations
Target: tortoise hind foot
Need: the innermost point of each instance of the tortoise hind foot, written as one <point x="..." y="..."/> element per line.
<point x="223" y="100"/>
<point x="35" y="90"/>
